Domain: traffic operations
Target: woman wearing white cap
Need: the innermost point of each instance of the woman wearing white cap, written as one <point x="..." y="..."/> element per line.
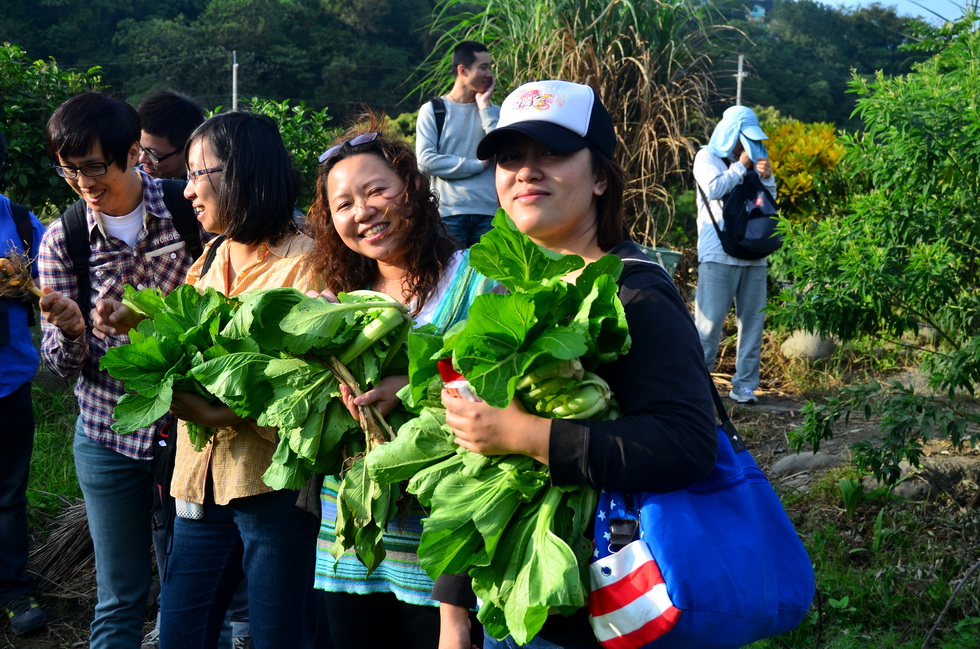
<point x="557" y="180"/>
<point x="735" y="148"/>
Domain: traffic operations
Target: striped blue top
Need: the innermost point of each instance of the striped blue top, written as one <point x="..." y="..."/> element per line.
<point x="399" y="573"/>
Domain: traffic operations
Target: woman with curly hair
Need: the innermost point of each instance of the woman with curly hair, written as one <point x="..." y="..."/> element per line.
<point x="375" y="224"/>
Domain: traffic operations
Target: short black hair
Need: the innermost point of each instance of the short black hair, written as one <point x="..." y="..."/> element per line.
<point x="78" y="123"/>
<point x="257" y="189"/>
<point x="3" y="151"/>
<point x="464" y="54"/>
<point x="170" y="114"/>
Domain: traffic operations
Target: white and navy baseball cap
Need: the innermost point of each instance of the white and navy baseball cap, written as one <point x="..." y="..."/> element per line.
<point x="562" y="115"/>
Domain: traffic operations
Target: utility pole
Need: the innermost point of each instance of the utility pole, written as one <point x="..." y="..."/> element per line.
<point x="738" y="80"/>
<point x="234" y="79"/>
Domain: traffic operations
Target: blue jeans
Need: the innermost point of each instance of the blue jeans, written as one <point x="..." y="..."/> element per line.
<point x="17" y="444"/>
<point x="118" y="496"/>
<point x="489" y="642"/>
<point x="718" y="286"/>
<point x="468" y="228"/>
<point x="266" y="538"/>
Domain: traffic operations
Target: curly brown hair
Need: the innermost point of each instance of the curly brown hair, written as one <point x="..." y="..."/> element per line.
<point x="428" y="244"/>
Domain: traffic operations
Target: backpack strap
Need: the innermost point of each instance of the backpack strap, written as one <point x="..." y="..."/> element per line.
<point x="79" y="248"/>
<point x="25" y="230"/>
<point x="707" y="204"/>
<point x="183" y="215"/>
<point x="439" y="110"/>
<point x="22" y="219"/>
<point x="212" y="253"/>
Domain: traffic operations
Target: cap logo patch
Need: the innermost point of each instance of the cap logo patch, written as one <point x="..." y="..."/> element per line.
<point x="533" y="98"/>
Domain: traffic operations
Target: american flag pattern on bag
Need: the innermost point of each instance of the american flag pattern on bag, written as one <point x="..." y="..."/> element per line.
<point x="629" y="606"/>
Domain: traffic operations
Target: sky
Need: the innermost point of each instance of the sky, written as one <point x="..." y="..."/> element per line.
<point x="947" y="8"/>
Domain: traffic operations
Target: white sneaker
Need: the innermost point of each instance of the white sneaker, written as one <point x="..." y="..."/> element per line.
<point x="743" y="395"/>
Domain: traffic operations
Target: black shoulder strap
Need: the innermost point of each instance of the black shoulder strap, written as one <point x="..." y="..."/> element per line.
<point x="212" y="253"/>
<point x="439" y="110"/>
<point x="25" y="230"/>
<point x="22" y="219"/>
<point x="79" y="248"/>
<point x="711" y="213"/>
<point x="183" y="215"/>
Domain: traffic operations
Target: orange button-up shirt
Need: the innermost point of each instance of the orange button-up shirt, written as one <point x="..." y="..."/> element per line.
<point x="237" y="456"/>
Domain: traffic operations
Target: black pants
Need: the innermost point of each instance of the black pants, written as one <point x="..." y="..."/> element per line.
<point x="16" y="446"/>
<point x="380" y="620"/>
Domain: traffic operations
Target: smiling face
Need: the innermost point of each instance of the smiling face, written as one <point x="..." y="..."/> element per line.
<point x="115" y="193"/>
<point x="550" y="196"/>
<point x="366" y="199"/>
<point x="203" y="192"/>
<point x="479" y="75"/>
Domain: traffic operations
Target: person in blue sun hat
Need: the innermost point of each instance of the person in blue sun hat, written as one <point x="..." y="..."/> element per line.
<point x="737" y="147"/>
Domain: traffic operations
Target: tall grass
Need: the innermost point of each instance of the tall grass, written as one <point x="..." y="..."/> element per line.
<point x="649" y="61"/>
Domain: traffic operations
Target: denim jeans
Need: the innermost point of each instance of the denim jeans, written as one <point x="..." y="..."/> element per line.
<point x="718" y="286"/>
<point x="17" y="444"/>
<point x="118" y="495"/>
<point x="468" y="228"/>
<point x="266" y="538"/>
<point x="489" y="642"/>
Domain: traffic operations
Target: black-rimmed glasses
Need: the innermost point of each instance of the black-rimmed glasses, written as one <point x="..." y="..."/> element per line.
<point x="91" y="169"/>
<point x="156" y="157"/>
<point x="193" y="176"/>
<point x="364" y="138"/>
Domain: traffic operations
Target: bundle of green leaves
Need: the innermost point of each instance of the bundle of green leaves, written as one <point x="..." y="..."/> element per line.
<point x="498" y="518"/>
<point x="274" y="355"/>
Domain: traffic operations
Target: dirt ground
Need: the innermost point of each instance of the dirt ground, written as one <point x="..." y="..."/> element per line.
<point x="764" y="426"/>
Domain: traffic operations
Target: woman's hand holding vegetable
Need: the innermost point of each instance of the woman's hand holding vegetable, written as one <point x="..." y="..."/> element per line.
<point x="113" y="318"/>
<point x="383" y="396"/>
<point x="195" y="408"/>
<point x="481" y="428"/>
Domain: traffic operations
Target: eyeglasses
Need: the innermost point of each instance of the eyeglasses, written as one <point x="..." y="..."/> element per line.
<point x="91" y="170"/>
<point x="155" y="157"/>
<point x="364" y="138"/>
<point x="193" y="176"/>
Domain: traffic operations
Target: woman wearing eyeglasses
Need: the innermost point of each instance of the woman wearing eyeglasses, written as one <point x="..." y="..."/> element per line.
<point x="229" y="523"/>
<point x="375" y="223"/>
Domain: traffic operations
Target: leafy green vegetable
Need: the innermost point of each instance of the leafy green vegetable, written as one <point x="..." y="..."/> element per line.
<point x="498" y="518"/>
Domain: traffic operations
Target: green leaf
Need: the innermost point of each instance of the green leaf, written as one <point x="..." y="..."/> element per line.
<point x="135" y="411"/>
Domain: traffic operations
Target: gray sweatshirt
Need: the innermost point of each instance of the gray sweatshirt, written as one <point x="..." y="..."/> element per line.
<point x="458" y="176"/>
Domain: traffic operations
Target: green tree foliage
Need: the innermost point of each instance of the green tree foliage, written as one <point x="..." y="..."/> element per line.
<point x="905" y="252"/>
<point x="306" y="135"/>
<point x="31" y="91"/>
<point x="649" y="60"/>
<point x="326" y="53"/>
<point x="800" y="59"/>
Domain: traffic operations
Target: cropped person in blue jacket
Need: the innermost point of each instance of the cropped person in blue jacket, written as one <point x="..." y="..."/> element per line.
<point x="19" y="360"/>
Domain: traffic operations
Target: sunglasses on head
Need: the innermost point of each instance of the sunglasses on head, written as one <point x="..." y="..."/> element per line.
<point x="364" y="138"/>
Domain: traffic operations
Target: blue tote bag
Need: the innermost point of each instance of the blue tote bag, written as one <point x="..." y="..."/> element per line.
<point x="716" y="565"/>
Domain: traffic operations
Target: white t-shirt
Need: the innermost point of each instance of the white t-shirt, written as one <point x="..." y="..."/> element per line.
<point x="127" y="227"/>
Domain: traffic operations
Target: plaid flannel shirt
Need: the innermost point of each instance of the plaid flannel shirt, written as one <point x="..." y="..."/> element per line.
<point x="159" y="259"/>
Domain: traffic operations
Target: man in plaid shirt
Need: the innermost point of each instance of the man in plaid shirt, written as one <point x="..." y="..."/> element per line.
<point x="95" y="140"/>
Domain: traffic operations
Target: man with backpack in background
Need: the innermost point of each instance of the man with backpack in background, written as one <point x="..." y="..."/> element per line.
<point x="167" y="119"/>
<point x="128" y="228"/>
<point x="734" y="153"/>
<point x="20" y="235"/>
<point x="446" y="135"/>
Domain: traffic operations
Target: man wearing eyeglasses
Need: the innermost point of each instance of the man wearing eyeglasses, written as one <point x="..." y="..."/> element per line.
<point x="94" y="139"/>
<point x="167" y="119"/>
